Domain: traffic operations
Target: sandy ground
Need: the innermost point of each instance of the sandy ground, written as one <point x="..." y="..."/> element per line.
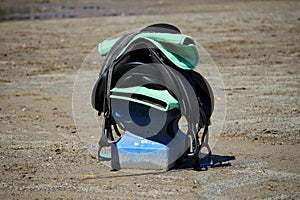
<point x="256" y="48"/>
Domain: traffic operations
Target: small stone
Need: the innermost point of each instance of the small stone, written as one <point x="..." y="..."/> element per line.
<point x="58" y="151"/>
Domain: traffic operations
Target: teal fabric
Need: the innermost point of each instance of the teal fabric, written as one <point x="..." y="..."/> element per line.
<point x="161" y="95"/>
<point x="178" y="48"/>
<point x="105" y="46"/>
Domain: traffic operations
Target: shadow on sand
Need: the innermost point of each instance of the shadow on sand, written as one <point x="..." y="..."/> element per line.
<point x="203" y="164"/>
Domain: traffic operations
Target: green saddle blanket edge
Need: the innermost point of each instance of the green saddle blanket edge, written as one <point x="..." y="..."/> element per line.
<point x="161" y="95"/>
<point x="180" y="49"/>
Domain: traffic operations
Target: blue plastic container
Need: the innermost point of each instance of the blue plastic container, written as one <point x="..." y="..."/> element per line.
<point x="135" y="152"/>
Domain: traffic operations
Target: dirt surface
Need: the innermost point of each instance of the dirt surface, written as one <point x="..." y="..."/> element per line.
<point x="255" y="45"/>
